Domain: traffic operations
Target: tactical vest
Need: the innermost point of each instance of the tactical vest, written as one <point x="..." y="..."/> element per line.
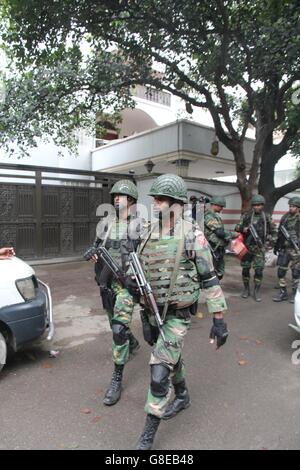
<point x="292" y="224"/>
<point x="119" y="241"/>
<point x="261" y="224"/>
<point x="158" y="258"/>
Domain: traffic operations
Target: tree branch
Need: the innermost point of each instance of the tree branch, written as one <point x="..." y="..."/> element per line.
<point x="287" y="188"/>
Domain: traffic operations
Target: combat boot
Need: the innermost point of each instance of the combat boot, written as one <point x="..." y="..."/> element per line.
<point x="180" y="402"/>
<point x="113" y="392"/>
<point x="134" y="345"/>
<point x="292" y="298"/>
<point x="246" y="292"/>
<point x="281" y="295"/>
<point x="256" y="295"/>
<point x="146" y="439"/>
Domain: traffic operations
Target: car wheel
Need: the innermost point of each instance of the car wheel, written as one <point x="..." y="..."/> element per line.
<point x="3" y="351"/>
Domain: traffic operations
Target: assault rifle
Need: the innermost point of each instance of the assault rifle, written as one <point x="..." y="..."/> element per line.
<point x="255" y="236"/>
<point x="147" y="293"/>
<point x="103" y="254"/>
<point x="289" y="239"/>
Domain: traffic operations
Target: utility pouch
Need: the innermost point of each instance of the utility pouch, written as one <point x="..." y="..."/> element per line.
<point x="108" y="298"/>
<point x="150" y="332"/>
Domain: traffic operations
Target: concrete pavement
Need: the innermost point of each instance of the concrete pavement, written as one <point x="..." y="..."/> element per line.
<point x="244" y="396"/>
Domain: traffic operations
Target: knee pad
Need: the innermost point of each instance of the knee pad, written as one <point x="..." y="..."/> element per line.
<point x="295" y="273"/>
<point x="258" y="274"/>
<point x="159" y="380"/>
<point x="281" y="273"/>
<point x="120" y="333"/>
<point x="246" y="273"/>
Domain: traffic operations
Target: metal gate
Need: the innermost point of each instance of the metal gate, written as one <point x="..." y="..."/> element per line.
<point x="51" y="216"/>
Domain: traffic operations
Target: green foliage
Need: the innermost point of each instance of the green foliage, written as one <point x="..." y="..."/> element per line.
<point x="238" y="59"/>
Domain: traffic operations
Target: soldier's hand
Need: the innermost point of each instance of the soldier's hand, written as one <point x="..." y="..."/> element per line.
<point x="275" y="251"/>
<point x="219" y="330"/>
<point x="132" y="287"/>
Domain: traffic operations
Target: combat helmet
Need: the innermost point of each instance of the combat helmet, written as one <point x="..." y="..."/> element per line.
<point x="125" y="187"/>
<point x="257" y="199"/>
<point x="295" y="201"/>
<point x="171" y="186"/>
<point x="218" y="200"/>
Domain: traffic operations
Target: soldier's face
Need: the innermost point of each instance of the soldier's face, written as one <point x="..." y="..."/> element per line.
<point x="293" y="209"/>
<point x="258" y="208"/>
<point x="216" y="208"/>
<point x="161" y="205"/>
<point x="120" y="201"/>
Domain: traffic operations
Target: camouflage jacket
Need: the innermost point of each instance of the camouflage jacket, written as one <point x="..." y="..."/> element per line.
<point x="263" y="224"/>
<point x="214" y="230"/>
<point x="196" y="269"/>
<point x="120" y="238"/>
<point x="292" y="224"/>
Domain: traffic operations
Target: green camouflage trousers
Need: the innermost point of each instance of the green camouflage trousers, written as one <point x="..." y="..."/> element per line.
<point x="123" y="310"/>
<point x="257" y="261"/>
<point x="174" y="329"/>
<point x="219" y="263"/>
<point x="288" y="258"/>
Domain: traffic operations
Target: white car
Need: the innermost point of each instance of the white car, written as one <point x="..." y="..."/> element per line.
<point x="25" y="307"/>
<point x="297" y="310"/>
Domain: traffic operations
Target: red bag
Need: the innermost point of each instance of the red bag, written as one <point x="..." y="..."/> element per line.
<point x="238" y="247"/>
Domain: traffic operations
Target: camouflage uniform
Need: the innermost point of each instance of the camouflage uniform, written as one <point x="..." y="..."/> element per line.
<point x="120" y="237"/>
<point x="158" y="253"/>
<point x="256" y="257"/>
<point x="288" y="256"/>
<point x="119" y="307"/>
<point x="216" y="235"/>
<point x="158" y="257"/>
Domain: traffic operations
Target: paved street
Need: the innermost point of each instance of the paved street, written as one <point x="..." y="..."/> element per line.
<point x="245" y="396"/>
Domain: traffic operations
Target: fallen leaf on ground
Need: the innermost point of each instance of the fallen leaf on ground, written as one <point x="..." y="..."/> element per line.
<point x="258" y="341"/>
<point x="244" y="338"/>
<point x="46" y="365"/>
<point x="95" y="419"/>
<point x="85" y="411"/>
<point x="199" y="315"/>
<point x="243" y="362"/>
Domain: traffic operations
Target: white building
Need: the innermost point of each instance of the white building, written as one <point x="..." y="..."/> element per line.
<point x="159" y="133"/>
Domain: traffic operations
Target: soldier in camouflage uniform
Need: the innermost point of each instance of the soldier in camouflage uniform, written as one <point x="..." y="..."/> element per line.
<point x="287" y="255"/>
<point x="118" y="233"/>
<point x="216" y="234"/>
<point x="177" y="262"/>
<point x="256" y="257"/>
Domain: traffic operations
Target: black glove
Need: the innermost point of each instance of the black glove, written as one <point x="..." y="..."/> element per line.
<point x="132" y="287"/>
<point x="219" y="330"/>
